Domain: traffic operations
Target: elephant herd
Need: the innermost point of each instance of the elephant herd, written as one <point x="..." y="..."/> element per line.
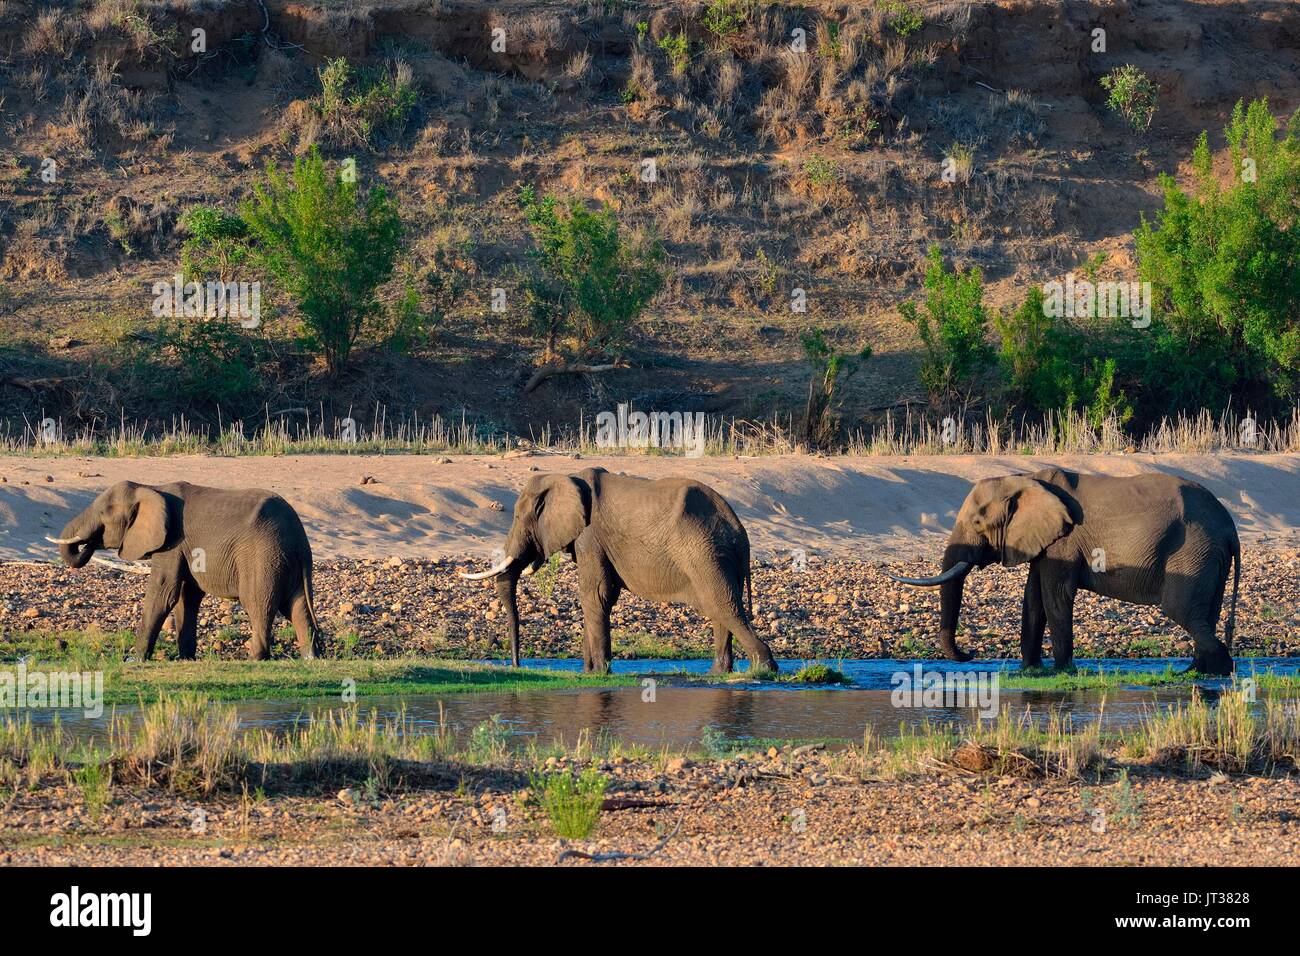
<point x="1150" y="539"/>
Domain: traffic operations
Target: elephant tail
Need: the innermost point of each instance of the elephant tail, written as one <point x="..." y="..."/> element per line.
<point x="307" y="593"/>
<point x="1230" y="625"/>
<point x="749" y="597"/>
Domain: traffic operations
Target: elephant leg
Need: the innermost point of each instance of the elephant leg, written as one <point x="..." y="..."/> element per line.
<point x="722" y="661"/>
<point x="1212" y="656"/>
<point x="1033" y="621"/>
<point x="160" y="596"/>
<point x="261" y="621"/>
<point x="1058" y="604"/>
<point x="598" y="590"/>
<point x="1194" y="605"/>
<point x="299" y="614"/>
<point x="186" y="618"/>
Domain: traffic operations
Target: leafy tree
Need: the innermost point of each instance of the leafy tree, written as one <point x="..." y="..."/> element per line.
<point x="829" y="370"/>
<point x="1224" y="265"/>
<point x="953" y="330"/>
<point x="601" y="281"/>
<point x="329" y="245"/>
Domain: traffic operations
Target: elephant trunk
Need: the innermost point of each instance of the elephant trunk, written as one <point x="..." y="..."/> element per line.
<point x="79" y="540"/>
<point x="950" y="595"/>
<point x="507" y="584"/>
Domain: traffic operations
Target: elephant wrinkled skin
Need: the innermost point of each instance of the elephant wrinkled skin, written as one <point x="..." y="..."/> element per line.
<point x="1150" y="539"/>
<point x="665" y="540"/>
<point x="245" y="544"/>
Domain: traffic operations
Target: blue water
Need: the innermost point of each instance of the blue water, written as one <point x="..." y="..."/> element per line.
<point x="878" y="674"/>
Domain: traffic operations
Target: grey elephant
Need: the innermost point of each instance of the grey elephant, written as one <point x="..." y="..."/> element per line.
<point x="669" y="539"/>
<point x="1148" y="539"/>
<point x="246" y="544"/>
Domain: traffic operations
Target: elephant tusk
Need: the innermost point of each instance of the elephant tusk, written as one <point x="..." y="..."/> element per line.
<point x="957" y="570"/>
<point x="528" y="571"/>
<point x="129" y="566"/>
<point x="489" y="573"/>
<point x="64" y="540"/>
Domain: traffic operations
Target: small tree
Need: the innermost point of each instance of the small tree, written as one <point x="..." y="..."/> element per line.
<point x="1133" y="95"/>
<point x="602" y="282"/>
<point x="1224" y="267"/>
<point x="829" y="370"/>
<point x="329" y="245"/>
<point x="953" y="331"/>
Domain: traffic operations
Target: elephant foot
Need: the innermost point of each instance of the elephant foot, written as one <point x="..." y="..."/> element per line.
<point x="1219" y="665"/>
<point x="958" y="655"/>
<point x="719" y="669"/>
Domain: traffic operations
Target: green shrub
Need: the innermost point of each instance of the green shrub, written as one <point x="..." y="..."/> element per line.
<point x="329" y="245"/>
<point x="953" y="330"/>
<point x="818" y="674"/>
<point x="1038" y="355"/>
<point x="358" y="107"/>
<point x="829" y="371"/>
<point x="1133" y="95"/>
<point x="94" y="778"/>
<point x="1224" y="266"/>
<point x="571" y="804"/>
<point x="902" y="19"/>
<point x="678" y="50"/>
<point x="217" y="244"/>
<point x="217" y="363"/>
<point x="599" y="279"/>
<point x="723" y="18"/>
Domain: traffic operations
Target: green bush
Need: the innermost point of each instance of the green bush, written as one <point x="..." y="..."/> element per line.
<point x="329" y="246"/>
<point x="572" y="804"/>
<point x="599" y="280"/>
<point x="217" y="244"/>
<point x="1133" y="95"/>
<point x="723" y="18"/>
<point x="217" y="363"/>
<point x="953" y="330"/>
<point x="829" y="371"/>
<point x="358" y="107"/>
<point x="1050" y="366"/>
<point x="1224" y="266"/>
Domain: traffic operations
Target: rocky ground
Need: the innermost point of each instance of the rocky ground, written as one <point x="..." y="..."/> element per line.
<point x="781" y="807"/>
<point x="832" y="609"/>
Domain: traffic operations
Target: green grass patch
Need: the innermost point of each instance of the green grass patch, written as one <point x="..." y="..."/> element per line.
<point x="220" y="679"/>
<point x="817" y="673"/>
<point x="1046" y="678"/>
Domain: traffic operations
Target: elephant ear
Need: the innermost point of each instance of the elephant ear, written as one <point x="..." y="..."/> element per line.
<point x="1038" y="518"/>
<point x="563" y="511"/>
<point x="147" y="530"/>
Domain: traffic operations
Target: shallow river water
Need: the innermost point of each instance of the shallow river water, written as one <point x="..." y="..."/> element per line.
<point x="677" y="716"/>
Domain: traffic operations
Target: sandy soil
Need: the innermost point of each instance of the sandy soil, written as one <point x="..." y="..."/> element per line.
<point x="869" y="508"/>
<point x="790" y="810"/>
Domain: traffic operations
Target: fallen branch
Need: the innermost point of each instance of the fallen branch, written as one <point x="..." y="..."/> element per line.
<point x="552" y="369"/>
<point x="618" y="855"/>
<point x="631" y="803"/>
<point x="132" y="567"/>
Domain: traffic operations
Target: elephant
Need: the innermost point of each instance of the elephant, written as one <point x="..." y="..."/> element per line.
<point x="1149" y="539"/>
<point x="246" y="544"/>
<point x="666" y="540"/>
